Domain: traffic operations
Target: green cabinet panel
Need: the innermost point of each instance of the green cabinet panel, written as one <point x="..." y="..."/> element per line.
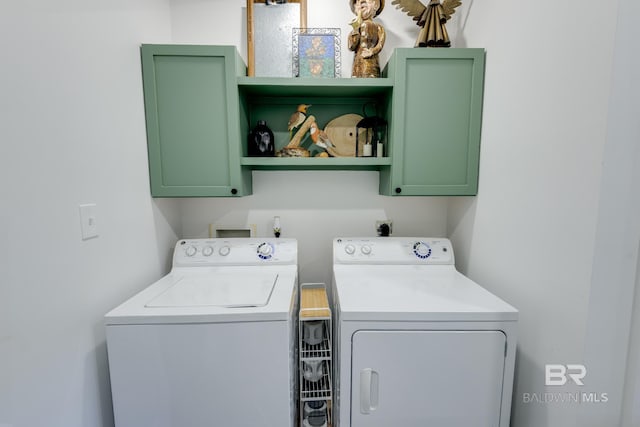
<point x="193" y="133"/>
<point x="435" y="122"/>
<point x="200" y="107"/>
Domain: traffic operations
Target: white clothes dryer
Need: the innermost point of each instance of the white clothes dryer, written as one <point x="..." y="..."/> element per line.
<point x="417" y="343"/>
<point x="211" y="343"/>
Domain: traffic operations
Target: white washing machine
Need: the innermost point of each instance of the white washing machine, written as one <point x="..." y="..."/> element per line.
<point x="213" y="342"/>
<point x="417" y="343"/>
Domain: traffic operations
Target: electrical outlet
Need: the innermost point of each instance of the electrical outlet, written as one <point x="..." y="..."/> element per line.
<point x="380" y="229"/>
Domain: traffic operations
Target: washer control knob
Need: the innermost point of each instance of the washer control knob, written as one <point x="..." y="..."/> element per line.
<point x="350" y="249"/>
<point x="421" y="250"/>
<point x="366" y="249"/>
<point x="191" y="250"/>
<point x="207" y="251"/>
<point x="224" y="250"/>
<point x="265" y="250"/>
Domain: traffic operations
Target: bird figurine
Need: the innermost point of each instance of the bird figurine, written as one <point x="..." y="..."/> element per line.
<point x="297" y="118"/>
<point x="319" y="137"/>
<point x="431" y="18"/>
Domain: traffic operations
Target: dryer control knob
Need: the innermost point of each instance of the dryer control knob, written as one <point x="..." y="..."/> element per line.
<point x="207" y="251"/>
<point x="350" y="249"/>
<point x="422" y="250"/>
<point x="366" y="249"/>
<point x="191" y="251"/>
<point x="224" y="250"/>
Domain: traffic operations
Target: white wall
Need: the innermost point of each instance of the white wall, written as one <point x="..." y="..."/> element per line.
<point x="555" y="219"/>
<point x="631" y="394"/>
<point x="315" y="207"/>
<point x="72" y="131"/>
<point x="224" y="22"/>
<point x="616" y="258"/>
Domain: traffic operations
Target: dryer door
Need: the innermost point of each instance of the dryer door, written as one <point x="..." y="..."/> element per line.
<point x="427" y="378"/>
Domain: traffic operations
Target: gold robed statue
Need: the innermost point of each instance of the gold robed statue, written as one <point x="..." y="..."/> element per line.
<point x="367" y="37"/>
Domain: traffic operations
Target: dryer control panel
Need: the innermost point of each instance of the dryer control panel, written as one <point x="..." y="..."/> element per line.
<point x="393" y="250"/>
<point x="235" y="251"/>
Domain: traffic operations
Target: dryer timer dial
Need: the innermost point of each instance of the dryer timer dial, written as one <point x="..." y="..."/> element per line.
<point x="421" y="250"/>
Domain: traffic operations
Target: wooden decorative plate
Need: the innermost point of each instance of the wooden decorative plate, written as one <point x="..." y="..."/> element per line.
<point x="342" y="133"/>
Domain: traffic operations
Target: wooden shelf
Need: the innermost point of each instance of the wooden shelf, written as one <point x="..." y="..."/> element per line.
<point x="319" y="163"/>
<point x="280" y="86"/>
<point x="314" y="302"/>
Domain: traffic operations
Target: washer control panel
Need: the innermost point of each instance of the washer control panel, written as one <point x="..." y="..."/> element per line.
<point x="393" y="250"/>
<point x="235" y="251"/>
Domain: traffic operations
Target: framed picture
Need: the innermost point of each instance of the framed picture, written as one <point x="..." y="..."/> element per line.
<point x="269" y="26"/>
<point x="316" y="52"/>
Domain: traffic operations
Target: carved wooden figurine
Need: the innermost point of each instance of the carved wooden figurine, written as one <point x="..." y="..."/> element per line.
<point x="367" y="37"/>
<point x="431" y="18"/>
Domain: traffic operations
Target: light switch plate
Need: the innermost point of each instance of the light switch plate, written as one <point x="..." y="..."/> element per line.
<point x="89" y="221"/>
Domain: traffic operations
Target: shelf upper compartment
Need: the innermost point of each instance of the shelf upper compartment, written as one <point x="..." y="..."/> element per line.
<point x="344" y="87"/>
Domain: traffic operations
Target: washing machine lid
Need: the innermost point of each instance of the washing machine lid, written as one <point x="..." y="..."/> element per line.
<point x="415" y="293"/>
<point x="240" y="289"/>
<point x="216" y="294"/>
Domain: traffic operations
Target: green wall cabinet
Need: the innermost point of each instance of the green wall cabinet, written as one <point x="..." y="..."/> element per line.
<point x="200" y="107"/>
<point x="435" y="122"/>
<point x="193" y="132"/>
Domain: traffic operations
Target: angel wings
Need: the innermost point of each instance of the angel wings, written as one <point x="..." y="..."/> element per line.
<point x="431" y="18"/>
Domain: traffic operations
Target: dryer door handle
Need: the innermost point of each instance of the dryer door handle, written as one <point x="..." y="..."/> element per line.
<point x="369" y="384"/>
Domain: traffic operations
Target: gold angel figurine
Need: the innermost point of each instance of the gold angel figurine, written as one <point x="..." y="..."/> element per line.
<point x="367" y="38"/>
<point x="431" y="19"/>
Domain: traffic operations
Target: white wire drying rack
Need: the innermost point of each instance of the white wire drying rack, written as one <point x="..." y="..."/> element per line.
<point x="315" y="351"/>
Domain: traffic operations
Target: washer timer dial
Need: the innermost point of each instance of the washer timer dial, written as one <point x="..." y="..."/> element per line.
<point x="421" y="250"/>
<point x="265" y="250"/>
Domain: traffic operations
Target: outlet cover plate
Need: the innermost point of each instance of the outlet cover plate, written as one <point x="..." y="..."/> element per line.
<point x="89" y="221"/>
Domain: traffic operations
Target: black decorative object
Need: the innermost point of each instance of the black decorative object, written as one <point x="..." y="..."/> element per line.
<point x="261" y="141"/>
<point x="375" y="136"/>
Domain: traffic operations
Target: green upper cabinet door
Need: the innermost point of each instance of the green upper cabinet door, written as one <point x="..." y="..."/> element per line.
<point x="435" y="123"/>
<point x="193" y="133"/>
